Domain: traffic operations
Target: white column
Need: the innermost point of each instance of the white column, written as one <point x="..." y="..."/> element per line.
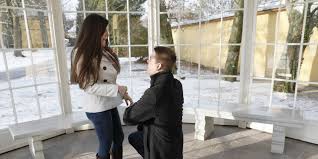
<point x="58" y="44"/>
<point x="247" y="52"/>
<point x="278" y="139"/>
<point x="153" y="24"/>
<point x="36" y="147"/>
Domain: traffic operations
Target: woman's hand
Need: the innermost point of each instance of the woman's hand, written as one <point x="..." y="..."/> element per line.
<point x="122" y="90"/>
<point x="128" y="99"/>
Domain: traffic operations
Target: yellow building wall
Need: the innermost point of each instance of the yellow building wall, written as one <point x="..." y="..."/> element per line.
<point x="264" y="45"/>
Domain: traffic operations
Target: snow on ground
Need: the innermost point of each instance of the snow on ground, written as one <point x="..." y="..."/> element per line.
<point x="204" y="91"/>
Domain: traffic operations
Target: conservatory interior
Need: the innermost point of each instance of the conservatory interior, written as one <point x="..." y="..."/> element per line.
<point x="249" y="71"/>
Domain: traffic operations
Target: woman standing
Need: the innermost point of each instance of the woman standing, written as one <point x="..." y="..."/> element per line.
<point x="95" y="69"/>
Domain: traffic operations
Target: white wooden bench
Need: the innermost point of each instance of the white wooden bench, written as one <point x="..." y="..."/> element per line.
<point x="280" y="118"/>
<point x="33" y="130"/>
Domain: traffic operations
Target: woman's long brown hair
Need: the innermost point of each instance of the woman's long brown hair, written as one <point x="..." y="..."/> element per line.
<point x="88" y="51"/>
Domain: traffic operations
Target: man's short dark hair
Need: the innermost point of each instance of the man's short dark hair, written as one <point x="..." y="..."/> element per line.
<point x="166" y="56"/>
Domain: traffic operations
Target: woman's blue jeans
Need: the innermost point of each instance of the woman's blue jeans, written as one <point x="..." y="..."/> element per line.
<point x="109" y="131"/>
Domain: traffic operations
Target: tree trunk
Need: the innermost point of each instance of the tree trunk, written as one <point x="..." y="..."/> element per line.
<point x="7" y="26"/>
<point x="43" y="30"/>
<point x="17" y="36"/>
<point x="231" y="65"/>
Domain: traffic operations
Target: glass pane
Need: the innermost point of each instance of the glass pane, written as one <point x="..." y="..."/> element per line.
<point x="209" y="60"/>
<point x="210" y="28"/>
<point x="39" y="29"/>
<point x="6" y="110"/>
<point x="139" y="61"/>
<point x="260" y="92"/>
<point x="76" y="94"/>
<point x="189" y="60"/>
<point x="229" y="92"/>
<point x="26" y="104"/>
<point x="72" y="25"/>
<point x="230" y="60"/>
<point x="311" y="20"/>
<point x="3" y="74"/>
<point x="292" y="18"/>
<point x="13" y="29"/>
<point x="72" y="5"/>
<point x="16" y="3"/>
<point x="232" y="28"/>
<point x="287" y="58"/>
<point x="283" y="94"/>
<point x="138" y="5"/>
<point x="138" y="29"/>
<point x="118" y="29"/>
<point x="266" y="21"/>
<point x="209" y="91"/>
<point x="95" y="5"/>
<point x="20" y="68"/>
<point x="168" y="29"/>
<point x="49" y="101"/>
<point x="232" y="4"/>
<point x="263" y="61"/>
<point x="45" y="66"/>
<point x="189" y="32"/>
<point x="309" y="65"/>
<point x="117" y="5"/>
<point x="38" y="4"/>
<point x="307" y="98"/>
<point x="123" y="56"/>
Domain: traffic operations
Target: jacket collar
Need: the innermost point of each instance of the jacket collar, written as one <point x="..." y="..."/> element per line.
<point x="160" y="77"/>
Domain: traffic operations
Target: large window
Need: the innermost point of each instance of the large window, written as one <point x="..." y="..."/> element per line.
<point x="28" y="76"/>
<point x="285" y="58"/>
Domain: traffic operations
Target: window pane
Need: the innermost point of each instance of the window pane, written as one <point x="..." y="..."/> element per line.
<point x="229" y="92"/>
<point x="138" y="29"/>
<point x="72" y="5"/>
<point x="283" y="94"/>
<point x="168" y="29"/>
<point x="49" y="101"/>
<point x="72" y="25"/>
<point x="39" y="29"/>
<point x="6" y="110"/>
<point x="293" y="20"/>
<point x="287" y="58"/>
<point x="95" y="5"/>
<point x="307" y="98"/>
<point x="230" y="60"/>
<point x="13" y="28"/>
<point x="118" y="29"/>
<point x="45" y="66"/>
<point x="3" y="73"/>
<point x="76" y="94"/>
<point x="232" y="27"/>
<point x="17" y="3"/>
<point x="26" y="104"/>
<point x="139" y="61"/>
<point x="209" y="91"/>
<point x="117" y="5"/>
<point x="309" y="64"/>
<point x="209" y="60"/>
<point x="20" y="68"/>
<point x="263" y="61"/>
<point x="260" y="92"/>
<point x="38" y="4"/>
<point x="138" y="5"/>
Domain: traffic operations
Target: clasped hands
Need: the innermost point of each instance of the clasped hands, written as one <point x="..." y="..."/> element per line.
<point x="124" y="93"/>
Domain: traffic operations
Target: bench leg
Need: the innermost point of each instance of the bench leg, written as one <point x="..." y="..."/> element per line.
<point x="278" y="139"/>
<point x="204" y="127"/>
<point x="36" y="147"/>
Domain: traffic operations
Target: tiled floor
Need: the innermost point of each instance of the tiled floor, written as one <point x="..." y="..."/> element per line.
<point x="226" y="143"/>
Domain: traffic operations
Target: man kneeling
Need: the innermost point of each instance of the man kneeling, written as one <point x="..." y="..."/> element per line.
<point x="159" y="111"/>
